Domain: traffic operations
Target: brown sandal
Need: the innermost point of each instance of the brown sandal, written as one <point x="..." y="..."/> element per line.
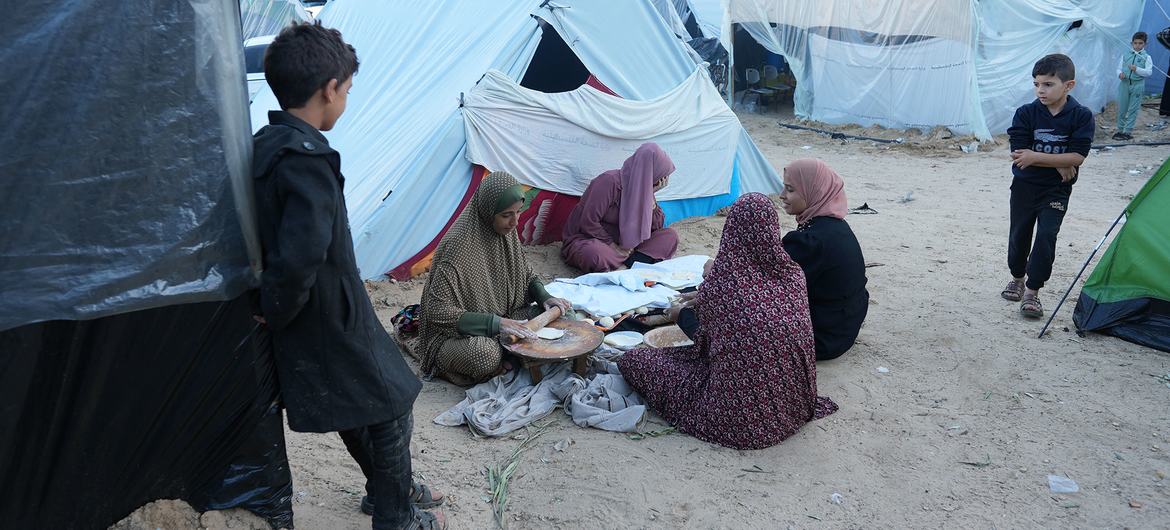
<point x="1031" y="307"/>
<point x="1014" y="291"/>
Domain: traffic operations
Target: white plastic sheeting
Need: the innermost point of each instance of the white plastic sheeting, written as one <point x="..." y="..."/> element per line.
<point x="561" y="142"/>
<point x="894" y="63"/>
<point x="259" y="18"/>
<point x="1014" y="35"/>
<point x="402" y="138"/>
<point x="961" y="64"/>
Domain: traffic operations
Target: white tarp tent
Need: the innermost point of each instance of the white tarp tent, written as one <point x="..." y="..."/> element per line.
<point x="962" y="64"/>
<point x="562" y="141"/>
<point x="403" y="140"/>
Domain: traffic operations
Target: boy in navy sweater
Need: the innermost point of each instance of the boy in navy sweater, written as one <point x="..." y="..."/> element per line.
<point x="1050" y="138"/>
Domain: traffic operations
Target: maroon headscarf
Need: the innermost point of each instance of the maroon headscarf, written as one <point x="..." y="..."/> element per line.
<point x="821" y="187"/>
<point x="750" y="379"/>
<point x="639" y="174"/>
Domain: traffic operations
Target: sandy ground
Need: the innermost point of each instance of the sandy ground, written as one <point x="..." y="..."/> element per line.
<point x="973" y="415"/>
<point x="962" y="431"/>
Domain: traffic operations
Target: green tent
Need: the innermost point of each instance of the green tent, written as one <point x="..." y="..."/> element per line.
<point x="1128" y="294"/>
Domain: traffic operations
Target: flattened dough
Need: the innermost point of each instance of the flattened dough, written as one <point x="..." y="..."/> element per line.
<point x="550" y="333"/>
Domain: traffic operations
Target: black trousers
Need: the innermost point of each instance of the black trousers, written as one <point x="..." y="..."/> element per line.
<point x="1038" y="209"/>
<point x="382" y="451"/>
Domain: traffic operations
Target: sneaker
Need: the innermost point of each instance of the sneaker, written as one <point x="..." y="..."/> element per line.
<point x="1127" y="136"/>
<point x="1118" y="136"/>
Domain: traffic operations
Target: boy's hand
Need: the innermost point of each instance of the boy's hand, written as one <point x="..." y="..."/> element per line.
<point x="1067" y="173"/>
<point x="1133" y="68"/>
<point x="1023" y="158"/>
<point x="1121" y="76"/>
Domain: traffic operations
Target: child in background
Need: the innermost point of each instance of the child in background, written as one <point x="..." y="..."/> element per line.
<point x="1050" y="138"/>
<point x="1133" y="69"/>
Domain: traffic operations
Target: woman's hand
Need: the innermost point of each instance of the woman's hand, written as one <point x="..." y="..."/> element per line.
<point x="565" y="305"/>
<point x="515" y="329"/>
<point x="683" y="301"/>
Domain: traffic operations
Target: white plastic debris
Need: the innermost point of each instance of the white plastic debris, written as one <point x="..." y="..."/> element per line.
<point x="1059" y="484"/>
<point x="972" y="147"/>
<point x="836" y="498"/>
<point x="806" y="147"/>
<point x="883" y="370"/>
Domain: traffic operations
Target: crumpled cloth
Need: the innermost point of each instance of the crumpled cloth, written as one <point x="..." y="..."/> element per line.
<point x="510" y="401"/>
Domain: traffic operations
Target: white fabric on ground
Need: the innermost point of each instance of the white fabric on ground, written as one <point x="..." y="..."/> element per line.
<point x="613" y="293"/>
<point x="561" y="142"/>
<point x="510" y="401"/>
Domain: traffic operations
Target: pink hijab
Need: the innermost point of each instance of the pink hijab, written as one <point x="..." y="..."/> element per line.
<point x="640" y="172"/>
<point x="820" y="186"/>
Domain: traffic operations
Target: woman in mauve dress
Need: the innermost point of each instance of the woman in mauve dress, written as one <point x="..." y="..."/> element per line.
<point x="750" y="379"/>
<point x="618" y="222"/>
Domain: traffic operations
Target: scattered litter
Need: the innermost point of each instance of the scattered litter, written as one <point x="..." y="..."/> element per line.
<point x="972" y="147"/>
<point x="806" y="147"/>
<point x="899" y="140"/>
<point x="1160" y="475"/>
<point x="650" y="434"/>
<point x="909" y="196"/>
<point x="940" y="261"/>
<point x="874" y="264"/>
<point x="1135" y="504"/>
<point x="1107" y="148"/>
<point x="836" y="498"/>
<point x="755" y="469"/>
<point x="1134" y="172"/>
<point x="863" y="209"/>
<point x="563" y="444"/>
<point x="883" y="370"/>
<point x="1070" y="504"/>
<point x="1059" y="484"/>
<point x="985" y="463"/>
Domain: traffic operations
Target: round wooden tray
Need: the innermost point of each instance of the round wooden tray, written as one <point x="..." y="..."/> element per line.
<point x="665" y="337"/>
<point x="580" y="338"/>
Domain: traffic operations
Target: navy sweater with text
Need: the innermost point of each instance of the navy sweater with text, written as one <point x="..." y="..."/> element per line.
<point x="1035" y="128"/>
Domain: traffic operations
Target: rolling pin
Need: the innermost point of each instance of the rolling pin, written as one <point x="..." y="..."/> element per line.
<point x="543" y="319"/>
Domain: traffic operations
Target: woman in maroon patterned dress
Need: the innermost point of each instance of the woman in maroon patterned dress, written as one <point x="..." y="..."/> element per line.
<point x="750" y="379"/>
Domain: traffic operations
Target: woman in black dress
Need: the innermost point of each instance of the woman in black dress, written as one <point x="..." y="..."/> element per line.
<point x="825" y="247"/>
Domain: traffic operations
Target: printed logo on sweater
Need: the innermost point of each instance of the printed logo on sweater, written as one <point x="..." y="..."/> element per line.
<point x="1044" y="138"/>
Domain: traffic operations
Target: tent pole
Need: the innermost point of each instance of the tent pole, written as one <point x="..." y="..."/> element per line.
<point x="1083" y="267"/>
<point x="731" y="71"/>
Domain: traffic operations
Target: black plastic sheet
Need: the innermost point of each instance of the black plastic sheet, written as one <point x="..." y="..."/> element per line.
<point x="100" y="417"/>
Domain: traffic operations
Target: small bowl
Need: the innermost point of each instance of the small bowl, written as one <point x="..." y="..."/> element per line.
<point x="624" y="340"/>
<point x="667" y="337"/>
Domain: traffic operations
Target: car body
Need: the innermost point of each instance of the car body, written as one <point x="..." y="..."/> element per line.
<point x="254" y="49"/>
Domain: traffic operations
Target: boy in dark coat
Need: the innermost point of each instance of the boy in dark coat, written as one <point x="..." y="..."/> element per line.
<point x="1050" y="138"/>
<point x="338" y="368"/>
